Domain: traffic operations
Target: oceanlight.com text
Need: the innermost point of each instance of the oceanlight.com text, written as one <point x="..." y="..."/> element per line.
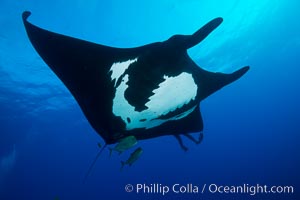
<point x="190" y="188"/>
<point x="250" y="189"/>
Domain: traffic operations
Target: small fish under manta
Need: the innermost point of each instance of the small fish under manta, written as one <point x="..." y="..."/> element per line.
<point x="123" y="145"/>
<point x="145" y="92"/>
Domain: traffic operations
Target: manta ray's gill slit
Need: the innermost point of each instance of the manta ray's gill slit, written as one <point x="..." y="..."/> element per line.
<point x="184" y="114"/>
<point x="118" y="69"/>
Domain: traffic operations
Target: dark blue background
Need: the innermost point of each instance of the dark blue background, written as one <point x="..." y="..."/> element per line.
<point x="251" y="132"/>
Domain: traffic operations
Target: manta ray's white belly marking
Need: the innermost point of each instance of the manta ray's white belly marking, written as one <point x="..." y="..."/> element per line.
<point x="173" y="93"/>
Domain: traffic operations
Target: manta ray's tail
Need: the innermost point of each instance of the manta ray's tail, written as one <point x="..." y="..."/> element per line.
<point x="93" y="163"/>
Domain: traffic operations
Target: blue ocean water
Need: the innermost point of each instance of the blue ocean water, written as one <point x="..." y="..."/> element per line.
<point x="251" y="133"/>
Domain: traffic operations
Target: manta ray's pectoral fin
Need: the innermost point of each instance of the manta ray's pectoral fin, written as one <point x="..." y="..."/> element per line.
<point x="179" y="139"/>
<point x="88" y="70"/>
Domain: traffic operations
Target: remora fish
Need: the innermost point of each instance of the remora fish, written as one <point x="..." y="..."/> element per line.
<point x="133" y="157"/>
<point x="124" y="144"/>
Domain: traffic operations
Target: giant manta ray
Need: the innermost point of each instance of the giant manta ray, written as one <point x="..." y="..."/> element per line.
<point x="147" y="91"/>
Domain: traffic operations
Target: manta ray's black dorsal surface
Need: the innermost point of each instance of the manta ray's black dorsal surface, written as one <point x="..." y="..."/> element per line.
<point x="147" y="91"/>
